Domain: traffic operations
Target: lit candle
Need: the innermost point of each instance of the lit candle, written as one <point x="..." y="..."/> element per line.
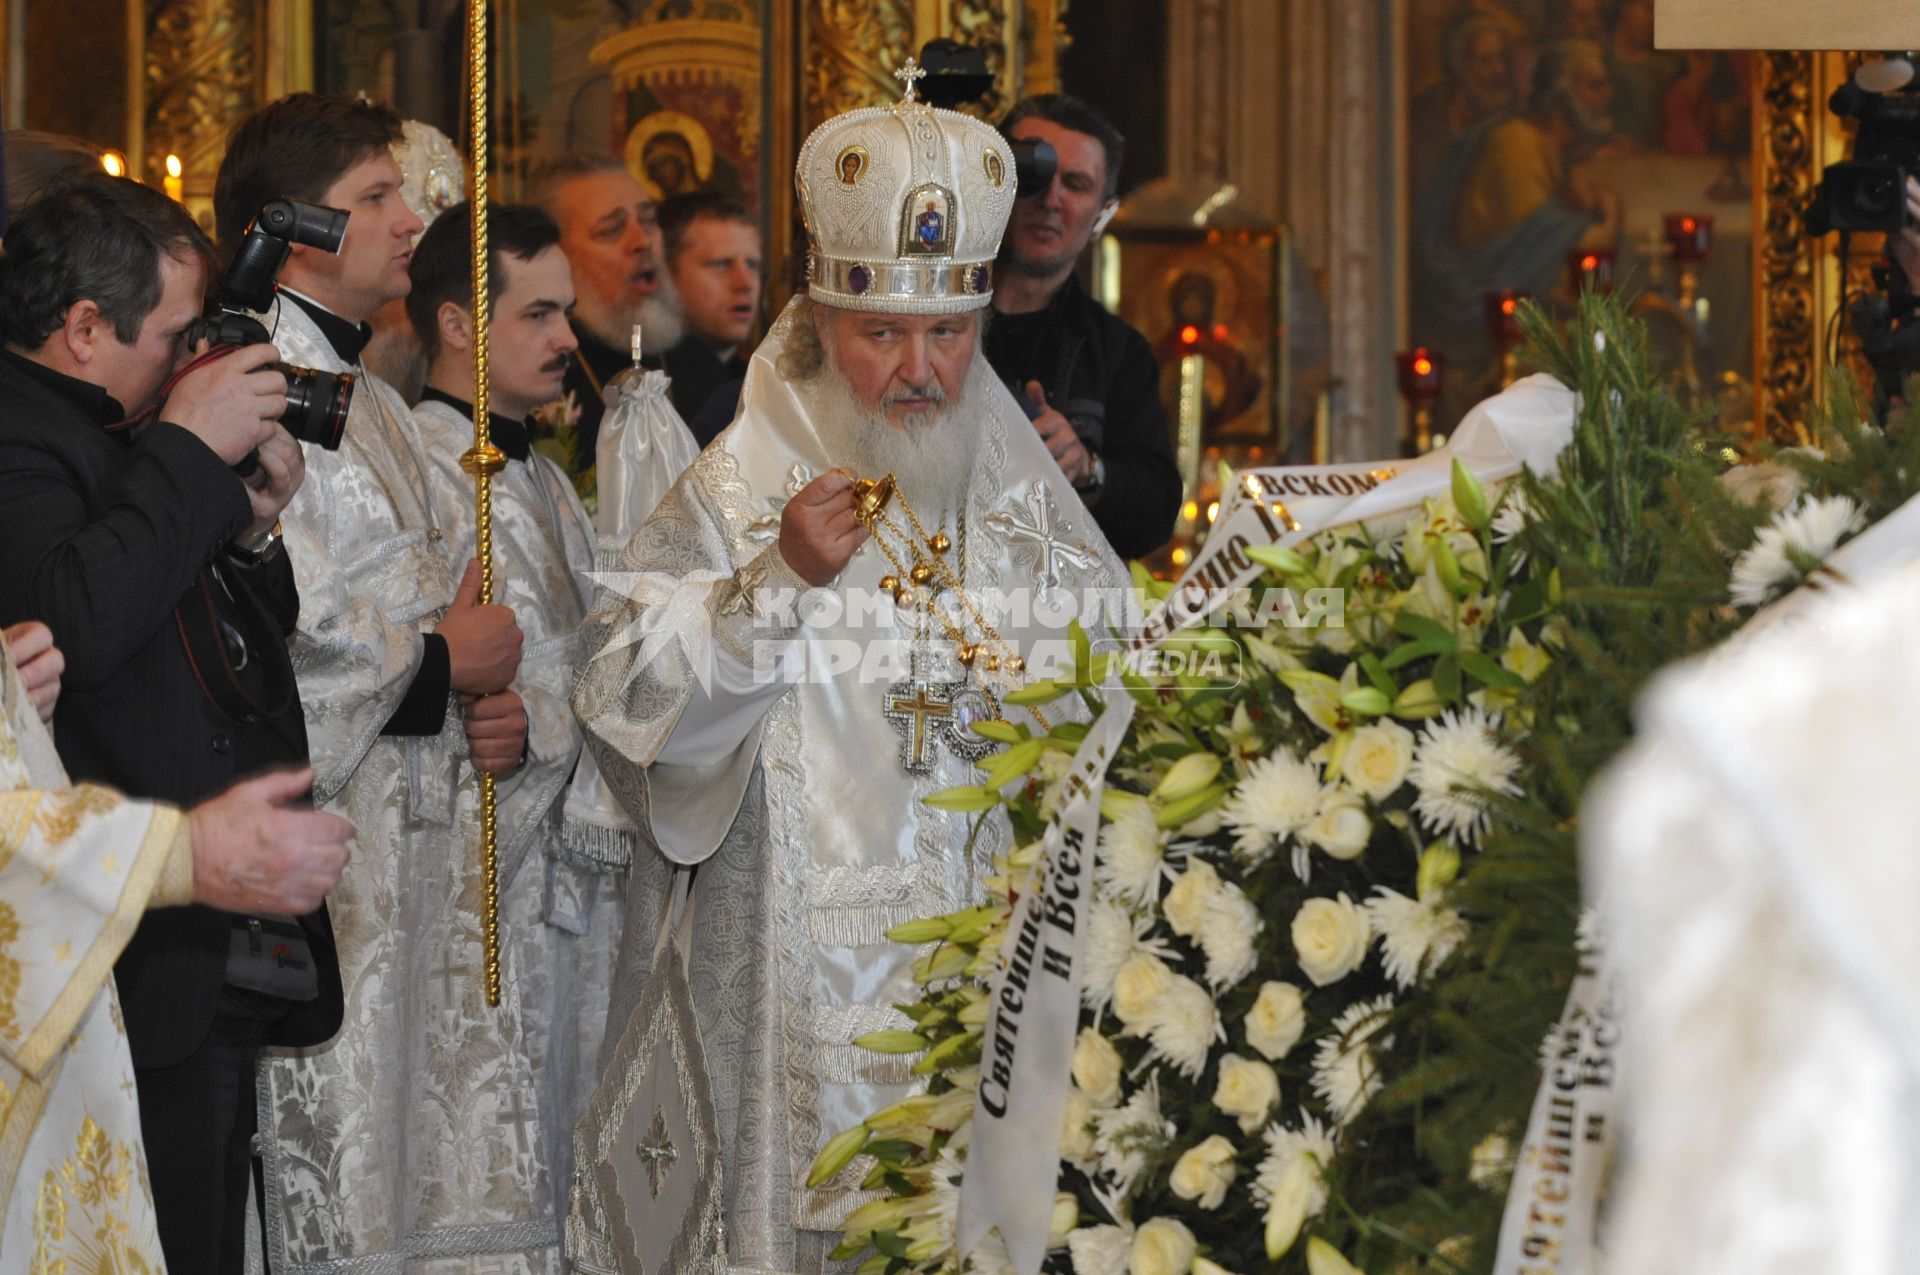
<point x="114" y="163"/>
<point x="174" y="186"/>
<point x="1420" y="371"/>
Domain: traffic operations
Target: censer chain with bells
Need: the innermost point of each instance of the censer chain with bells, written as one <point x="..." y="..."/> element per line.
<point x="923" y="708"/>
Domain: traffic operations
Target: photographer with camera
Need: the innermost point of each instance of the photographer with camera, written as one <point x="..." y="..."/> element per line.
<point x="1087" y="379"/>
<point x="124" y="528"/>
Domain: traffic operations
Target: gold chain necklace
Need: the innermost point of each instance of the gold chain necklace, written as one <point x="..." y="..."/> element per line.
<point x="992" y="656"/>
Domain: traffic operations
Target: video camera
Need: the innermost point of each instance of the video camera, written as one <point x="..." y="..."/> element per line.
<point x="1868" y="192"/>
<point x="956" y="75"/>
<point x="317" y="401"/>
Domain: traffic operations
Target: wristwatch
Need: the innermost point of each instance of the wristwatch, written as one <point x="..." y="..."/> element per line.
<point x="260" y="553"/>
<point x="1094" y="481"/>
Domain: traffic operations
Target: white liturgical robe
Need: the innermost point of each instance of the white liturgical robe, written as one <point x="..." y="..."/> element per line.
<point x="795" y="799"/>
<point x="562" y="887"/>
<point x="77" y="868"/>
<point x="407" y="1142"/>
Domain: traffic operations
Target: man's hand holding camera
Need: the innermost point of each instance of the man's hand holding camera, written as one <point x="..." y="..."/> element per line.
<point x="233" y="404"/>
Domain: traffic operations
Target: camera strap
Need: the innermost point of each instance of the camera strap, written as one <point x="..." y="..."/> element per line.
<point x="219" y="646"/>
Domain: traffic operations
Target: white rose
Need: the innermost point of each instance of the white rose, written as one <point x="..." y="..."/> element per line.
<point x="1377" y="759"/>
<point x="1138" y="986"/>
<point x="1186" y="903"/>
<point x="1277" y="1020"/>
<point x="1341" y="826"/>
<point x="1330" y="937"/>
<point x="1066" y="1214"/>
<point x="1076" y="1133"/>
<point x="1246" y="1090"/>
<point x="1096" y="1068"/>
<point x="1204" y="1172"/>
<point x="1161" y="1246"/>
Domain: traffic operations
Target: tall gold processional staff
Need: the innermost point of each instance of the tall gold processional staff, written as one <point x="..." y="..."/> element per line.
<point x="484" y="460"/>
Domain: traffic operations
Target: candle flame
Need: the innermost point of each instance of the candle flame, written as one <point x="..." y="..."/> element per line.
<point x="114" y="163"/>
<point x="173" y="166"/>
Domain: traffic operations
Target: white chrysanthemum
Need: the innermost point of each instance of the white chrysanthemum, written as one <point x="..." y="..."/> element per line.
<point x="1510" y="519"/>
<point x="1100" y="1250"/>
<point x="1183" y="1026"/>
<point x="1459" y="764"/>
<point x="943" y="1190"/>
<point x="1132" y="858"/>
<point x="1345" y="1075"/>
<point x="1285" y="1147"/>
<point x="1232" y="924"/>
<point x="989" y="1257"/>
<point x="1129" y="1138"/>
<point x="1112" y="936"/>
<point x="1416" y="935"/>
<point x="1272" y="802"/>
<point x="1809" y="531"/>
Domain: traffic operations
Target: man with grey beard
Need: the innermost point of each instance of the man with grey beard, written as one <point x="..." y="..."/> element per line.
<point x="610" y="232"/>
<point x="780" y="683"/>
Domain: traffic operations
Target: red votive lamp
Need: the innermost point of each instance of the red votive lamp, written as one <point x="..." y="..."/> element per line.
<point x="1420" y="372"/>
<point x="1503" y="316"/>
<point x="1591" y="267"/>
<point x="1689" y="235"/>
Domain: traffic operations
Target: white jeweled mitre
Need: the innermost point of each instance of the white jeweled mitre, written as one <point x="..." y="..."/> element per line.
<point x="904" y="205"/>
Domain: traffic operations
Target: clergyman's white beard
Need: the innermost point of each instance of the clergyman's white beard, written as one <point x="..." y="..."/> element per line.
<point x="658" y="313"/>
<point x="931" y="460"/>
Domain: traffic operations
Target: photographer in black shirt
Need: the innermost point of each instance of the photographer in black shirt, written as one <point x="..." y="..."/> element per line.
<point x="159" y="571"/>
<point x="1088" y="380"/>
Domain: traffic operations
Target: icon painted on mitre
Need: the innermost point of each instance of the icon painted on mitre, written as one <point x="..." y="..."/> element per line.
<point x="851" y="165"/>
<point x="929" y="222"/>
<point x="995" y="173"/>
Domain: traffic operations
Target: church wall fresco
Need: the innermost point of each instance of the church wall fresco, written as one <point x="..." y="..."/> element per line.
<point x="1537" y="129"/>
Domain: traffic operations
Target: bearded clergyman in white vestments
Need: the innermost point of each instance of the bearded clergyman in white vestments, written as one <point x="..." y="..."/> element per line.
<point x="397" y="1145"/>
<point x="784" y="749"/>
<point x="562" y="888"/>
<point x="78" y="866"/>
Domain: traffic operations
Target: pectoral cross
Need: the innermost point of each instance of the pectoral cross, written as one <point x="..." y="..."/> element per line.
<point x="914" y="707"/>
<point x="657" y="1152"/>
<point x="909" y="74"/>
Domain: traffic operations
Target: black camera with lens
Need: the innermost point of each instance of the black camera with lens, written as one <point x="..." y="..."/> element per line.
<point x="1868" y="191"/>
<point x="957" y="74"/>
<point x="317" y="401"/>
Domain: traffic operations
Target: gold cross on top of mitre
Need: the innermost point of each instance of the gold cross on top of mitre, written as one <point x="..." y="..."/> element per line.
<point x="910" y="74"/>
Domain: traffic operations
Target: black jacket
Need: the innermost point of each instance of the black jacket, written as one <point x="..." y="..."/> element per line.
<point x="1102" y="376"/>
<point x="104" y="537"/>
<point x="698" y="372"/>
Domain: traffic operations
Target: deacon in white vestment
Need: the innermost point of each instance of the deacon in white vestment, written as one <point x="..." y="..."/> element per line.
<point x="799" y="800"/>
<point x="78" y="865"/>
<point x="395" y="1146"/>
<point x="562" y="887"/>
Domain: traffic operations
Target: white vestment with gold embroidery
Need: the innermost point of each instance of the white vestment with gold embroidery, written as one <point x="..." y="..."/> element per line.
<point x="809" y="833"/>
<point x="78" y="866"/>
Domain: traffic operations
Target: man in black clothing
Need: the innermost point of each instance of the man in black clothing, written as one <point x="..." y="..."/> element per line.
<point x="610" y="231"/>
<point x="161" y="576"/>
<point x="713" y="254"/>
<point x="1088" y="380"/>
